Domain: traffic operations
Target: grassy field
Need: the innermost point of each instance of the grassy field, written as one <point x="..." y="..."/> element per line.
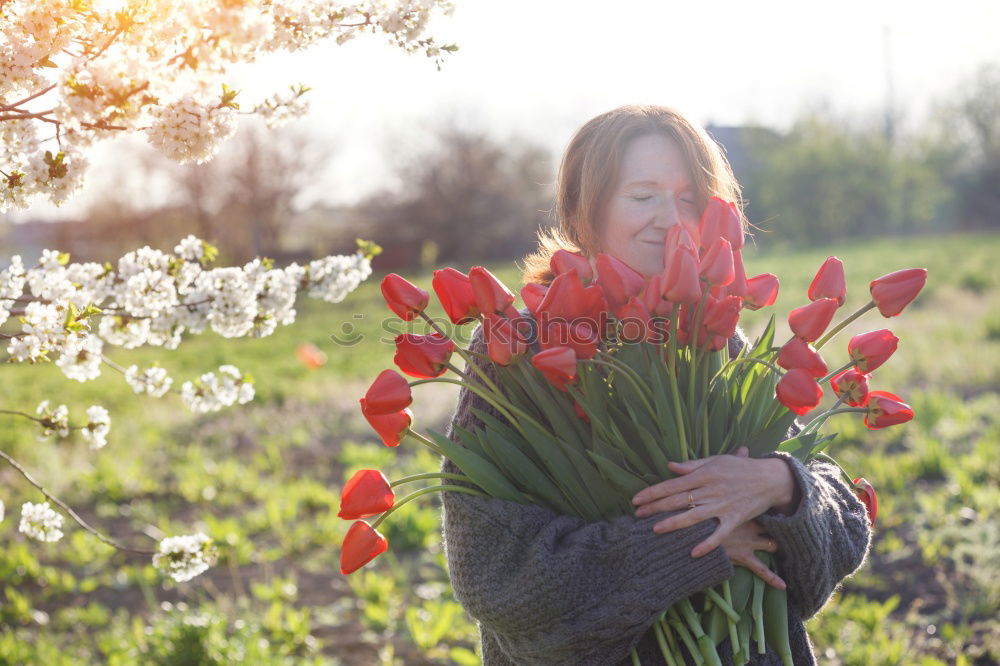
<point x="263" y="480"/>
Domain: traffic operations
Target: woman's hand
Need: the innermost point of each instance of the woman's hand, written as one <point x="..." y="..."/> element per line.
<point x="731" y="488"/>
<point x="741" y="544"/>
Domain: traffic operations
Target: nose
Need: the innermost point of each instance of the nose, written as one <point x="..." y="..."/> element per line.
<point x="667" y="214"/>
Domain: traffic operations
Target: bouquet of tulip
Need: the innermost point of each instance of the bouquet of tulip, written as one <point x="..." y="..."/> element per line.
<point x="629" y="373"/>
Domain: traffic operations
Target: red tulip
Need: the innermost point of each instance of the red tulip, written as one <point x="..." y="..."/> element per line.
<point x="721" y="316"/>
<point x="390" y="392"/>
<point x="830" y="281"/>
<point x="798" y="391"/>
<point x="618" y="281"/>
<point x="721" y="219"/>
<point x="390" y="427"/>
<point x="403" y="297"/>
<point x="563" y="260"/>
<point x="568" y="300"/>
<point x="454" y="290"/>
<point x="558" y="365"/>
<point x="636" y="323"/>
<point x="367" y="493"/>
<point x="423" y="356"/>
<point x="762" y="290"/>
<point x="504" y="338"/>
<point x="894" y="291"/>
<point x="492" y="295"/>
<point x="886" y="409"/>
<point x="853" y="384"/>
<point x="678" y="236"/>
<point x="310" y="355"/>
<point x="361" y="545"/>
<point x="580" y="414"/>
<point x="652" y="297"/>
<point x="581" y="336"/>
<point x="866" y="493"/>
<point x="717" y="266"/>
<point x="872" y="349"/>
<point x="533" y="294"/>
<point x="809" y="321"/>
<point x="681" y="283"/>
<point x="799" y="354"/>
<point x="738" y="287"/>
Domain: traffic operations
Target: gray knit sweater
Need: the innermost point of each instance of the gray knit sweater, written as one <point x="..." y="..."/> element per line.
<point x="552" y="589"/>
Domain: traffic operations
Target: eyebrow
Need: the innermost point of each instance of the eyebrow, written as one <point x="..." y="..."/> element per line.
<point x="685" y="186"/>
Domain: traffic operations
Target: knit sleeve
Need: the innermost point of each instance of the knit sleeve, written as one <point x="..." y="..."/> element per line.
<point x="824" y="541"/>
<point x="557" y="589"/>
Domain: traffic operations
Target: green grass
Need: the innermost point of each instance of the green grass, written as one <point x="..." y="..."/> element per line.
<point x="263" y="480"/>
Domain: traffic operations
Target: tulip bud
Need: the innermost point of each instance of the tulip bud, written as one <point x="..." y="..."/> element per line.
<point x="682" y="284"/>
<point x="809" y="321"/>
<point x="366" y="494"/>
<point x="618" y="281"/>
<point x="895" y="291"/>
<point x="532" y="294"/>
<point x="886" y="409"/>
<point x="504" y="340"/>
<point x="564" y="260"/>
<point x="717" y="266"/>
<point x="798" y="391"/>
<point x="558" y="365"/>
<point x="721" y="219"/>
<point x="390" y="392"/>
<point x="361" y="545"/>
<point x="830" y="281"/>
<point x="799" y="354"/>
<point x="403" y="297"/>
<point x="762" y="290"/>
<point x="390" y="427"/>
<point x="423" y="356"/>
<point x="491" y="294"/>
<point x="454" y="290"/>
<point x="872" y="349"/>
<point x="866" y="493"/>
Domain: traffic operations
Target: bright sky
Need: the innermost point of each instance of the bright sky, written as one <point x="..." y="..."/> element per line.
<point x="543" y="67"/>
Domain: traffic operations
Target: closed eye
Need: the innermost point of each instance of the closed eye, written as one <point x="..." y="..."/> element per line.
<point x="642" y="198"/>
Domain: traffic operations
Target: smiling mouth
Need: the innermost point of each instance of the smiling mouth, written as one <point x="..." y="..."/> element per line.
<point x="653" y="242"/>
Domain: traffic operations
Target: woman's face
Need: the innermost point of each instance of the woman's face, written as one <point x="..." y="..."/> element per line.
<point x="654" y="192"/>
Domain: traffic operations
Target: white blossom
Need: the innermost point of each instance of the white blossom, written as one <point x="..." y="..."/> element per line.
<point x="184" y="557"/>
<point x="153" y="381"/>
<point x="54" y="421"/>
<point x="211" y="393"/>
<point x="96" y="430"/>
<point x="40" y="521"/>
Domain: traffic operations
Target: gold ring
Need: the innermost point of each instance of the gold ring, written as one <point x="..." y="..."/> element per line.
<point x="772" y="543"/>
<point x="691" y="503"/>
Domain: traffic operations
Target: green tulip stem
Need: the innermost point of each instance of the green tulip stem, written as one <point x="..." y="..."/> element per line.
<point x="695" y="359"/>
<point x="424" y="491"/>
<point x="635" y="657"/>
<point x="502" y="404"/>
<point x="661" y="640"/>
<point x="749" y="359"/>
<point x="819" y="420"/>
<point x="836" y="372"/>
<point x="428" y="475"/>
<point x="631" y="375"/>
<point x="724" y="605"/>
<point x="423" y="440"/>
<point x="674" y="389"/>
<point x="836" y="329"/>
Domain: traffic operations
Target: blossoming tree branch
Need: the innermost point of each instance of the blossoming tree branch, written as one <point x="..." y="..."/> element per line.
<point x="75" y="72"/>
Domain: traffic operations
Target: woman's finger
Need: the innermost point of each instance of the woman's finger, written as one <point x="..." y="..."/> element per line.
<point x="754" y="564"/>
<point x="766" y="543"/>
<point x="681" y="484"/>
<point x="715" y="540"/>
<point x="682" y="520"/>
<point x="672" y="503"/>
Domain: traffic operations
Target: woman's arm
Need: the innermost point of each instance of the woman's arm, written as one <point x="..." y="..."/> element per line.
<point x="556" y="589"/>
<point x="823" y="541"/>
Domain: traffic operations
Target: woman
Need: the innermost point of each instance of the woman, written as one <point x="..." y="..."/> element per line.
<point x="553" y="589"/>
